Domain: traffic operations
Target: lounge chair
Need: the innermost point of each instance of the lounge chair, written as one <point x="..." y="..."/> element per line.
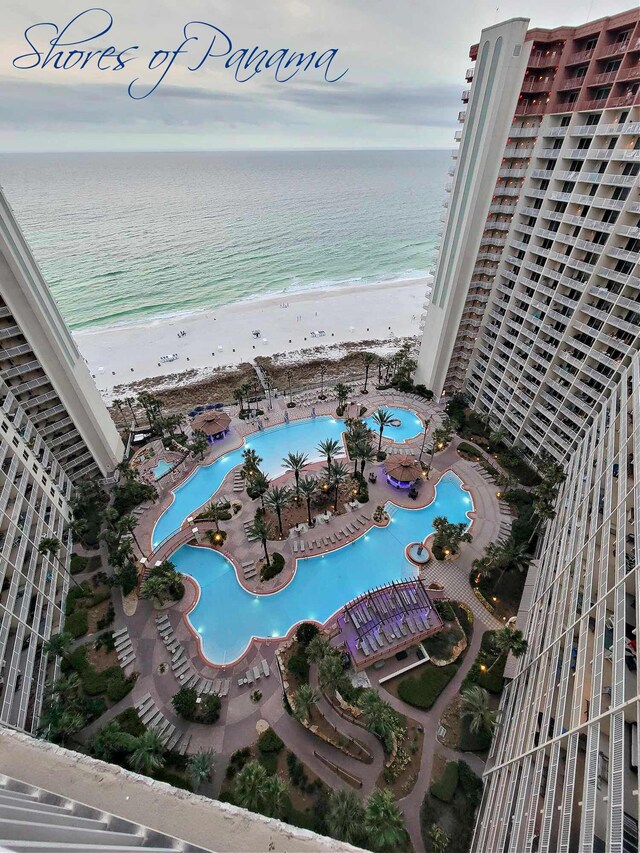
<point x="265" y="666"/>
<point x="364" y="647"/>
<point x="216" y="685"/>
<point x="301" y="546"/>
<point x="242" y="682"/>
<point x="249" y="676"/>
<point x="256" y="673"/>
<point x="295" y="547"/>
<point x="224" y="689"/>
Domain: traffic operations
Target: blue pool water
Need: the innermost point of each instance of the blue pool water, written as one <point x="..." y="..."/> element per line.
<point x="271" y="444"/>
<point x="227" y="616"/>
<point x="161" y="468"/>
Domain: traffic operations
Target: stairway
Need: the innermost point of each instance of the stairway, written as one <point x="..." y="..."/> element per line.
<point x="32" y="819"/>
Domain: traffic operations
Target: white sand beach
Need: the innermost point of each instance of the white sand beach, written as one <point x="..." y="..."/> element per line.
<point x="225" y="336"/>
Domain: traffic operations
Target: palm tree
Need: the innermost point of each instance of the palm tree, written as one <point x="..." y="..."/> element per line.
<point x="323" y="372"/>
<point x="365" y="453"/>
<point x="337" y="474"/>
<point x="119" y="404"/>
<point x="109" y="740"/>
<point x="379" y="717"/>
<point x="277" y="499"/>
<point x="382" y="418"/>
<point x="251" y="463"/>
<point x="58" y="723"/>
<point x="260" y="530"/>
<point x="289" y="378"/>
<point x="342" y="393"/>
<point x="295" y="462"/>
<point x="200" y="767"/>
<point x="238" y="396"/>
<point x="214" y="512"/>
<point x="474" y="705"/>
<point x="260" y="484"/>
<point x="148" y="755"/>
<point x="319" y="647"/>
<point x="330" y="672"/>
<point x="130" y="401"/>
<point x="368" y="358"/>
<point x="58" y="644"/>
<point x="305" y="698"/>
<point x="508" y="640"/>
<point x="345" y="817"/>
<point x="250" y="786"/>
<point x="383" y="822"/>
<point x="438" y="838"/>
<point x="544" y="511"/>
<point x="307" y="488"/>
<point x="156" y="588"/>
<point x="275" y="791"/>
<point x="49" y="546"/>
<point x="199" y="443"/>
<point x="128" y="524"/>
<point x="328" y="448"/>
<point x="513" y="556"/>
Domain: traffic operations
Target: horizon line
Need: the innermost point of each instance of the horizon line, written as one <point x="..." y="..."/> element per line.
<point x="219" y="150"/>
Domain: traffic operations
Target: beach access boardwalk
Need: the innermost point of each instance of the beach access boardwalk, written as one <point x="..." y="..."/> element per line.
<point x="241" y="717"/>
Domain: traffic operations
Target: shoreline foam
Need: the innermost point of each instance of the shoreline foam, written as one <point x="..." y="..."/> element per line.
<point x="222" y="337"/>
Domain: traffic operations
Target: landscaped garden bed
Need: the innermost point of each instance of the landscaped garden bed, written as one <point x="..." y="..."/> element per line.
<point x="423" y="689"/>
<point x="402" y="774"/>
<point x="449" y="807"/>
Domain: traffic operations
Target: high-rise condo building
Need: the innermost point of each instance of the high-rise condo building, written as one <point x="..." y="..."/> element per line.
<point x="536" y="300"/>
<point x="563" y="770"/>
<point x="54" y="429"/>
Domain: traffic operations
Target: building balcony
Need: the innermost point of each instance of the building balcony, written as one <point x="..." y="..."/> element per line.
<point x="614" y="49"/>
<point x="501" y="208"/>
<point x="581" y="56"/>
<point x="461" y="116"/>
<point x="518" y="153"/>
<point x="457" y="135"/>
<point x="622" y="254"/>
<point x="544" y="59"/>
<point x="556" y="131"/>
<point x="623" y="101"/>
<point x="570" y="83"/>
<point x="537" y="84"/>
<point x="631" y="73"/>
<point x="512" y="173"/>
<point x="469" y="74"/>
<point x="465" y="96"/>
<point x="606" y="77"/>
<point x="527" y="108"/>
<point x="542" y="174"/>
<point x="520" y="132"/>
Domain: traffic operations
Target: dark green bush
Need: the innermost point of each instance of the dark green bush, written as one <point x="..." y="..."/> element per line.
<point x="423" y="391"/>
<point x="277" y="565"/>
<point x="185" y="703"/>
<point x="237" y="761"/>
<point x="469" y="449"/>
<point x="130" y="722"/>
<point x="470" y="784"/>
<point x="519" y="468"/>
<point x="473" y="741"/>
<point x="164" y="775"/>
<point x="422" y="690"/>
<point x="299" y="665"/>
<point x="463" y="618"/>
<point x="99" y="597"/>
<point x="107" y="619"/>
<point x="210" y="708"/>
<point x="438" y="552"/>
<point x="270" y="742"/>
<point x="130" y="494"/>
<point x="76" y="594"/>
<point x="445" y="787"/>
<point x="306" y="632"/>
<point x="77" y="624"/>
<point x="127" y="578"/>
<point x="117" y="685"/>
<point x="78" y="564"/>
<point x="441" y="645"/>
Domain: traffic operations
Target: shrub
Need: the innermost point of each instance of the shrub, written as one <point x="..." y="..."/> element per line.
<point x="299" y="665"/>
<point x="470" y="784"/>
<point x="107" y="619"/>
<point x="237" y="761"/>
<point x="127" y="578"/>
<point x="117" y="685"/>
<point x="130" y="722"/>
<point x="270" y="742"/>
<point x="185" y="703"/>
<point x="77" y="624"/>
<point x="423" y="391"/>
<point x="76" y="594"/>
<point x="130" y="494"/>
<point x="210" y="708"/>
<point x="469" y="449"/>
<point x="99" y="597"/>
<point x="473" y="741"/>
<point x="78" y="564"/>
<point x="445" y="787"/>
<point x="95" y="563"/>
<point x="422" y="691"/>
<point x="465" y="618"/>
<point x="306" y="632"/>
<point x="438" y="552"/>
<point x="441" y="645"/>
<point x="277" y="565"/>
<point x="519" y="468"/>
<point x="164" y="775"/>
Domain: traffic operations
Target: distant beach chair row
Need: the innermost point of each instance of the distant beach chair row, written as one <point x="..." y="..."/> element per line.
<point x="255" y="674"/>
<point x="152" y="718"/>
<point x="386" y="633"/>
<point x="124" y="647"/>
<point x="249" y="569"/>
<point x="182" y="667"/>
<point x="353" y="526"/>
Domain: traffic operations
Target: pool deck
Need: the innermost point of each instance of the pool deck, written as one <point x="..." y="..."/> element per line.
<point x="237" y="725"/>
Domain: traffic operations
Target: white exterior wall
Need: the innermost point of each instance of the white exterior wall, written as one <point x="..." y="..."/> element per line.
<point x="499" y="71"/>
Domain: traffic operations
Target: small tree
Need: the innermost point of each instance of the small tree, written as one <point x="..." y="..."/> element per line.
<point x="345" y="817"/>
<point x="199" y="444"/>
<point x="260" y="530"/>
<point x="438" y="838"/>
<point x="384" y="822"/>
<point x="342" y="394"/>
<point x="304" y="700"/>
<point x="295" y="462"/>
<point x="368" y="359"/>
<point x="381" y="418"/>
<point x="277" y="499"/>
<point x="474" y="705"/>
<point x="185" y="703"/>
<point x="448" y="536"/>
<point x="507" y="640"/>
<point x="307" y="489"/>
<point x="148" y="755"/>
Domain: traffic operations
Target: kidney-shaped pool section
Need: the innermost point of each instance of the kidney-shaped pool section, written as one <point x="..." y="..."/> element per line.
<point x="226" y="617"/>
<point x="271" y="445"/>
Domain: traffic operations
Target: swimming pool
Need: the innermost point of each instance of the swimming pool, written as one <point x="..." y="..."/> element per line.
<point x="226" y="616"/>
<point x="272" y="445"/>
<point x="163" y="467"/>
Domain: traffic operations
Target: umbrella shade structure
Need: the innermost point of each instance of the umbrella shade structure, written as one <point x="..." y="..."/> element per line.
<point x="402" y="471"/>
<point x="212" y="422"/>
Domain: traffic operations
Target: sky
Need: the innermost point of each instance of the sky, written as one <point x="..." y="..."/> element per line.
<point x="404" y="60"/>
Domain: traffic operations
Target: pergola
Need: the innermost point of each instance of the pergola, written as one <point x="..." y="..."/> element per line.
<point x="215" y="424"/>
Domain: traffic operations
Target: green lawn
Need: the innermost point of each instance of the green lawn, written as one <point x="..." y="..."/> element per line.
<point x="422" y="690"/>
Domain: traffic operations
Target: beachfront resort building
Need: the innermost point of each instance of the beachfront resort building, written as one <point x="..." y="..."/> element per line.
<point x="535" y="306"/>
<point x="54" y="429"/>
<point x="563" y="769"/>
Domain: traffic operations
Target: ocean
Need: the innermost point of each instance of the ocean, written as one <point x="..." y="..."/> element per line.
<point x="121" y="237"/>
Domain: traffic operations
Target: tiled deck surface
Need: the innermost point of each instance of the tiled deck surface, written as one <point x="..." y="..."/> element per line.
<point x="237" y="725"/>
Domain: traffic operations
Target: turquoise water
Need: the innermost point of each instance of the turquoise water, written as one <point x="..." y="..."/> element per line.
<point x="163" y="467"/>
<point x="259" y="222"/>
<point x="226" y="616"/>
<point x="271" y="444"/>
